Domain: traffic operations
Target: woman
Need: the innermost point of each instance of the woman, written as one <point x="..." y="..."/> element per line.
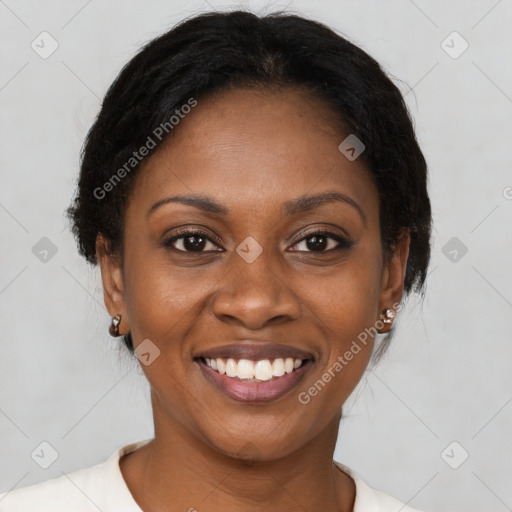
<point x="256" y="199"/>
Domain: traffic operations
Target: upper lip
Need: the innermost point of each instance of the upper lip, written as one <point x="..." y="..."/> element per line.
<point x="254" y="350"/>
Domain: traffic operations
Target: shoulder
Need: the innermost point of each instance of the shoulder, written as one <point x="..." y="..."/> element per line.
<point x="77" y="490"/>
<point x="56" y="494"/>
<point x="99" y="487"/>
<point x="373" y="500"/>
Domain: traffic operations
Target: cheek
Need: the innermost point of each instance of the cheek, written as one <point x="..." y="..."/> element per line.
<point x="161" y="301"/>
<point x="163" y="305"/>
<point x="345" y="307"/>
<point x="346" y="300"/>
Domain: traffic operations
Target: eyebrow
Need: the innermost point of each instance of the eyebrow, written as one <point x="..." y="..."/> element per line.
<point x="292" y="207"/>
<point x="307" y="203"/>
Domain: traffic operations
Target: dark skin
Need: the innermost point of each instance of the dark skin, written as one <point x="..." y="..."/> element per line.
<point x="250" y="151"/>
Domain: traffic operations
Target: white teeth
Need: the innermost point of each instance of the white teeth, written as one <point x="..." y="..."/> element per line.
<point x="245" y="369"/>
<point x="231" y="368"/>
<point x="262" y="370"/>
<point x="278" y="368"/>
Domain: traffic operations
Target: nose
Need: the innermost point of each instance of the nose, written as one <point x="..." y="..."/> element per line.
<point x="255" y="294"/>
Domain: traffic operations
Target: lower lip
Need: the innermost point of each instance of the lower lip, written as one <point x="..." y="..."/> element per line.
<point x="255" y="392"/>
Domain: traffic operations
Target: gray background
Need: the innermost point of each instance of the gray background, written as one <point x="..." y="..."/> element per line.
<point x="446" y="378"/>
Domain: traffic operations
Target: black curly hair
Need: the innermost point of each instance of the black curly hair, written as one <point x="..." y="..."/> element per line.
<point x="215" y="51"/>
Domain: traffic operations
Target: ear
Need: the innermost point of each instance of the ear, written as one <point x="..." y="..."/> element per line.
<point x="393" y="275"/>
<point x="113" y="283"/>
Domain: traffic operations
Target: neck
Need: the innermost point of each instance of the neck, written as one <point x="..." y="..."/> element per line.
<point x="180" y="471"/>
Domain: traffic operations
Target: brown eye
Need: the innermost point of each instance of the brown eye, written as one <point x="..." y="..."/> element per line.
<point x="322" y="241"/>
<point x="190" y="241"/>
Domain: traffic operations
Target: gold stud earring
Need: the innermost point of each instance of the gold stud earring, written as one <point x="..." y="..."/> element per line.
<point x="114" y="326"/>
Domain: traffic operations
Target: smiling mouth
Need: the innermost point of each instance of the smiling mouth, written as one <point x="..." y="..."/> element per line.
<point x="254" y="381"/>
<point x="254" y="372"/>
<point x="247" y="370"/>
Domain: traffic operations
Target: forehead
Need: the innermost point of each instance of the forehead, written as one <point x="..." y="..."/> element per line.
<point x="246" y="146"/>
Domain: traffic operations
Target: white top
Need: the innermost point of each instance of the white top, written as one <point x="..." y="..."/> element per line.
<point x="102" y="487"/>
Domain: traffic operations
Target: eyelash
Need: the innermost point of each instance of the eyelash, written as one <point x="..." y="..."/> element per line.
<point x="343" y="243"/>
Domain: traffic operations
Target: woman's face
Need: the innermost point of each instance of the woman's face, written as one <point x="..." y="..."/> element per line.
<point x="257" y="284"/>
